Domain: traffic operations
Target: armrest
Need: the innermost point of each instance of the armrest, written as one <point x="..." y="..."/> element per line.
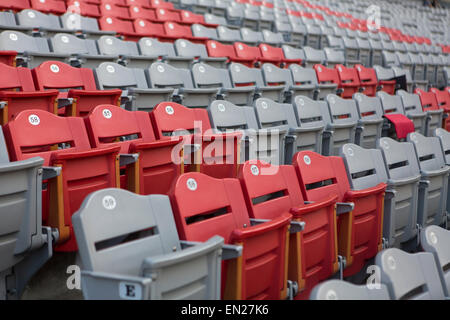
<point x="86" y="154"/>
<point x="28" y="94"/>
<point x="400" y="182"/>
<point x="290" y="138"/>
<point x="229" y="251"/>
<point x="64" y="102"/>
<point x="344" y="207"/>
<point x="297" y="226"/>
<point x="50" y="172"/>
<point x="128" y="158"/>
<point x="255" y="222"/>
<point x="424" y="183"/>
<point x="77" y="92"/>
<point x="249" y="232"/>
<point x="355" y="194"/>
<point x="313" y="206"/>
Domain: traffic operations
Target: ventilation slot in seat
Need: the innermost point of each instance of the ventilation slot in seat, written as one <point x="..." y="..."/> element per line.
<point x="125" y="238"/>
<point x="398" y="165"/>
<point x="320" y="184"/>
<point x="208" y="215"/>
<point x="269" y="196"/>
<point x="414" y="292"/>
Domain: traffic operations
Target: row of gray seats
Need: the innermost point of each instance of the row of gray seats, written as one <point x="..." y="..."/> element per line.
<point x="401" y="275"/>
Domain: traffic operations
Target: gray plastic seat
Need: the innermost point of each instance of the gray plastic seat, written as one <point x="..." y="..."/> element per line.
<point x="364" y="52"/>
<point x="435" y="173"/>
<point x="257" y="143"/>
<point x="410" y="83"/>
<point x="401" y="200"/>
<point x="343" y="290"/>
<point x="340" y="125"/>
<point x="310" y="115"/>
<point x="208" y="78"/>
<point x="197" y="52"/>
<point x="251" y="37"/>
<point x="201" y="31"/>
<point x="370" y="122"/>
<point x="430" y="68"/>
<point x="129" y="249"/>
<point x="306" y="83"/>
<point x="87" y="26"/>
<point x="410" y="276"/>
<point x="227" y="35"/>
<point x="351" y="51"/>
<point x="8" y="22"/>
<point x="213" y="19"/>
<point x="32" y="51"/>
<point x="392" y="104"/>
<point x="424" y="122"/>
<point x="334" y="57"/>
<point x="436" y="240"/>
<point x="376" y="52"/>
<point x="419" y="66"/>
<point x="83" y="52"/>
<point x="313" y="36"/>
<point x="251" y="19"/>
<point x="133" y="82"/>
<point x="293" y="53"/>
<point x="151" y="47"/>
<point x="313" y="56"/>
<point x="46" y="24"/>
<point x="25" y="245"/>
<point x="273" y="38"/>
<point x="298" y="34"/>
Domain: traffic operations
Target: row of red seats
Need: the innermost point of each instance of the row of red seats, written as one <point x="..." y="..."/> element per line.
<point x="436" y="99"/>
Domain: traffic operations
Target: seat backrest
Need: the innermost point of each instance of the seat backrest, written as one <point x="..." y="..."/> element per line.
<point x="154" y="48"/>
<point x="302" y="75"/>
<point x="442" y="97"/>
<point x="226" y="116"/>
<point x="204" y="206"/>
<point x="365" y="168"/>
<point x="272" y="37"/>
<point x="310" y="113"/>
<point x="427" y="99"/>
<point x="293" y="53"/>
<point x="172" y="119"/>
<point x="16" y="78"/>
<point x="444" y="137"/>
<point x="112" y="75"/>
<point x="162" y="75"/>
<point x="248" y="52"/>
<point x="109" y="45"/>
<point x="174" y="29"/>
<point x="241" y="75"/>
<point x="271" y="114"/>
<point x="428" y="150"/>
<point x="390" y="59"/>
<point x="217" y="49"/>
<point x="312" y="54"/>
<point x="436" y="240"/>
<point x="334" y="56"/>
<point x="199" y="30"/>
<point x="228" y="34"/>
<point x="69" y="44"/>
<point x="326" y="75"/>
<point x="320" y="176"/>
<point x="269" y="190"/>
<point x="411" y="102"/>
<point x="206" y="76"/>
<point x="342" y="111"/>
<point x="369" y="108"/>
<point x="40" y="133"/>
<point x="343" y="290"/>
<point x="276" y="76"/>
<point x="73" y="21"/>
<point x="271" y="52"/>
<point x="8" y="18"/>
<point x="112" y="9"/>
<point x="35" y="19"/>
<point x="111" y="125"/>
<point x="110" y="216"/>
<point x="20" y="42"/>
<point x="250" y="35"/>
<point x="384" y="73"/>
<point x="185" y="48"/>
<point x="110" y="23"/>
<point x="399" y="158"/>
<point x="391" y="103"/>
<point x="213" y="19"/>
<point x="59" y="75"/>
<point x="410" y="276"/>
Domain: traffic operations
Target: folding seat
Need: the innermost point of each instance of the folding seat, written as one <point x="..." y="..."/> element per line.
<point x="334" y="57"/>
<point x="75" y="169"/>
<point x="410" y="276"/>
<point x="251" y="37"/>
<point x="312" y="119"/>
<point x="257" y="143"/>
<point x="270" y="191"/>
<point x="175" y="31"/>
<point x="32" y="51"/>
<point x="110" y="9"/>
<point x="243" y="76"/>
<point x="163" y="15"/>
<point x="405" y="62"/>
<point x="327" y="76"/>
<point x="430" y="68"/>
<point x="266" y="241"/>
<point x="123" y="28"/>
<point x="435" y="240"/>
<point x="78" y="92"/>
<point x="305" y="82"/>
<point x="207" y="78"/>
<point x="364" y="51"/>
<point x="227" y="35"/>
<point x="217" y="49"/>
<point x="199" y="30"/>
<point x="251" y="19"/>
<point x="8" y="22"/>
<point x="25" y="244"/>
<point x="368" y="80"/>
<point x="132" y="131"/>
<point x="313" y="36"/>
<point x="343" y="290"/>
<point x="442" y="101"/>
<point x="85" y="26"/>
<point x="273" y="38"/>
<point x="188" y="17"/>
<point x="164" y="51"/>
<point x="386" y="79"/>
<point x="49" y="6"/>
<point x="161" y="4"/>
<point x="435" y="174"/>
<point x="341" y="122"/>
<point x="370" y="123"/>
<point x="82" y="52"/>
<point x="313" y="56"/>
<point x="142" y="12"/>
<point x="213" y="19"/>
<point x="147" y="265"/>
<point x="410" y="83"/>
<point x="217" y="154"/>
<point x="18" y="93"/>
<point x="270" y="52"/>
<point x="15" y="5"/>
<point x="348" y="81"/>
<point x="266" y="20"/>
<point x="402" y="194"/>
<point x="246" y="52"/>
<point x="41" y="23"/>
<point x="197" y="52"/>
<point x="351" y="51"/>
<point x="83" y="8"/>
<point x="376" y="52"/>
<point x="294" y="53"/>
<point x="202" y="6"/>
<point x="358" y="215"/>
<point x="136" y="92"/>
<point x="298" y="34"/>
<point x="419" y="66"/>
<point x="325" y="32"/>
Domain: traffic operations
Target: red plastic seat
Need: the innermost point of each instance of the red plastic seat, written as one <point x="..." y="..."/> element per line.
<point x="111" y="9"/>
<point x="359" y="232"/>
<point x="326" y="75"/>
<point x="63" y="143"/>
<point x="191" y="18"/>
<point x="122" y="27"/>
<point x="348" y="81"/>
<point x="16" y="5"/>
<point x="8" y="57"/>
<point x="18" y="93"/>
<point x="217" y="49"/>
<point x="164" y="15"/>
<point x="161" y="4"/>
<point x="204" y="206"/>
<point x="270" y="191"/>
<point x="269" y="52"/>
<point x="247" y="52"/>
<point x="139" y="12"/>
<point x="178" y="31"/>
<point x="49" y="6"/>
<point x="443" y="102"/>
<point x="219" y="152"/>
<point x="84" y="8"/>
<point x="75" y="83"/>
<point x="145" y="28"/>
<point x="141" y="3"/>
<point x="368" y="80"/>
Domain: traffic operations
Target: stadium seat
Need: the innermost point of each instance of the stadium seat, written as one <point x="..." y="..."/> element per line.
<point x="327" y="76"/>
<point x="247" y="52"/>
<point x="402" y="193"/>
<point x="370" y="122"/>
<point x="83" y="25"/>
<point x="334" y="57"/>
<point x="386" y="79"/>
<point x="313" y="36"/>
<point x="25" y="244"/>
<point x="348" y="81"/>
<point x="313" y="56"/>
<point x="252" y="37"/>
<point x="18" y="93"/>
<point x="433" y="193"/>
<point x="148" y="265"/>
<point x="201" y="31"/>
<point x="84" y="8"/>
<point x="410" y="276"/>
<point x="443" y="102"/>
<point x="197" y="52"/>
<point x="41" y="23"/>
<point x="217" y="49"/>
<point x="342" y="290"/>
<point x="164" y="51"/>
<point x="109" y="8"/>
<point x="270" y="52"/>
<point x="78" y="92"/>
<point x="204" y="206"/>
<point x="367" y="79"/>
<point x="16" y="5"/>
<point x="76" y="169"/>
